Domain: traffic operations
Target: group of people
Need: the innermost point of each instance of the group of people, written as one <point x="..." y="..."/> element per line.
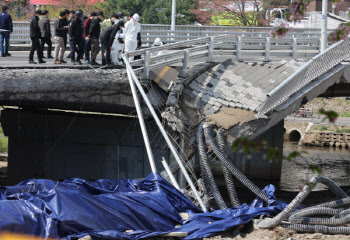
<point x="85" y="36"/>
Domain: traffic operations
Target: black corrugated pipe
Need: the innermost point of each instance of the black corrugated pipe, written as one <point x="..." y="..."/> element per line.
<point x="227" y="174"/>
<point x="206" y="169"/>
<point x="300" y="198"/>
<point x="223" y="158"/>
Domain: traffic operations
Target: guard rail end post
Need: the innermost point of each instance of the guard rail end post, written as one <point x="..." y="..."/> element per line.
<point x="211" y="50"/>
<point x="239" y="49"/>
<point x="183" y="72"/>
<point x="146" y="65"/>
<point x="267" y="50"/>
<point x="294" y="49"/>
<point x="319" y="46"/>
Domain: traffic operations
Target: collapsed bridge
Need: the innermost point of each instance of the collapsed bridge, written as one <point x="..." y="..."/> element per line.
<point x="246" y="99"/>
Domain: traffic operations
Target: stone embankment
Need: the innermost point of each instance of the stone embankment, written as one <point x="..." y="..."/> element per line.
<point x="325" y="139"/>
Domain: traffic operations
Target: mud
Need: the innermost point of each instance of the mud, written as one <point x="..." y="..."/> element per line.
<point x="229" y="117"/>
<point x="277" y="233"/>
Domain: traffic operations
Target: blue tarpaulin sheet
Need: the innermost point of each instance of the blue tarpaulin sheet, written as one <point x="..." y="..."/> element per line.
<point x="107" y="208"/>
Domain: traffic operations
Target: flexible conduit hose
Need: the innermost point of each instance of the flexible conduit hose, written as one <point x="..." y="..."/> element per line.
<point x="303" y="217"/>
<point x="206" y="169"/>
<point x="227" y="174"/>
<point x="316" y="228"/>
<point x="300" y="198"/>
<point x="342" y="214"/>
<point x="240" y="176"/>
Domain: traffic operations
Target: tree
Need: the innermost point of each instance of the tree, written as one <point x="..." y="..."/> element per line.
<point x="55" y="6"/>
<point x="153" y="11"/>
<point x="236" y="12"/>
<point x="18" y="8"/>
<point x="239" y="12"/>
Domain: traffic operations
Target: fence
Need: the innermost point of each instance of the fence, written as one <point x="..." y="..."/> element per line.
<point x="316" y="67"/>
<point x="150" y="32"/>
<point x="242" y="43"/>
<point x="206" y="48"/>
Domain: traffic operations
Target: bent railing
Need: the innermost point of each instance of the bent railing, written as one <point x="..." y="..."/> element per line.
<point x="315" y="68"/>
<point x="134" y="81"/>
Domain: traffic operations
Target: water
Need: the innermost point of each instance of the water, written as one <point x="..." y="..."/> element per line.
<point x="334" y="163"/>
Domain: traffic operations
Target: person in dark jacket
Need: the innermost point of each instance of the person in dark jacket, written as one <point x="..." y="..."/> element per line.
<point x="44" y="24"/>
<point x="107" y="38"/>
<point x="87" y="25"/>
<point x="6" y="28"/>
<point x="65" y="22"/>
<point x="94" y="37"/>
<point x="35" y="36"/>
<point x="76" y="38"/>
<point x="60" y="32"/>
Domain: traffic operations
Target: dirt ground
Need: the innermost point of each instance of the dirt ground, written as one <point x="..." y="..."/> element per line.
<point x="278" y="233"/>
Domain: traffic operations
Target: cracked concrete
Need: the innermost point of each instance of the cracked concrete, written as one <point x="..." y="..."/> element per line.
<point x="73" y="89"/>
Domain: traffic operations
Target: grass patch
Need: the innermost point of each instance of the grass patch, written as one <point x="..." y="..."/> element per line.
<point x="347" y="114"/>
<point x="323" y="128"/>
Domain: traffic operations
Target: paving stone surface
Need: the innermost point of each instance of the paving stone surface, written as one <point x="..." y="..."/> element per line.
<point x="237" y="85"/>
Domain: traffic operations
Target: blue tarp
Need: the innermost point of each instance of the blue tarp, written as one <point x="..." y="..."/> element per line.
<point x="107" y="208"/>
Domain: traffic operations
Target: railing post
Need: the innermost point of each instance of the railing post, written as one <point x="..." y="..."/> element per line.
<point x="146" y="65"/>
<point x="211" y="50"/>
<point x="185" y="62"/>
<point x="294" y="49"/>
<point x="239" y="49"/>
<point x="267" y="50"/>
<point x="319" y="46"/>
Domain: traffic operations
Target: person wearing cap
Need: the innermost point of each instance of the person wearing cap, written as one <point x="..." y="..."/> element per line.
<point x="35" y="35"/>
<point x="87" y="43"/>
<point x="132" y="28"/>
<point x="76" y="38"/>
<point x="6" y="28"/>
<point x="107" y="38"/>
<point x="59" y="33"/>
<point x="157" y="43"/>
<point x="94" y="36"/>
<point x="44" y="24"/>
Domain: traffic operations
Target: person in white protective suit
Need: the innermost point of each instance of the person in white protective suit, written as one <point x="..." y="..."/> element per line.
<point x="117" y="48"/>
<point x="132" y="28"/>
<point x="158" y="42"/>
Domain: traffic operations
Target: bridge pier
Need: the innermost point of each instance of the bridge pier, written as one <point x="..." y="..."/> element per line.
<point x="59" y="145"/>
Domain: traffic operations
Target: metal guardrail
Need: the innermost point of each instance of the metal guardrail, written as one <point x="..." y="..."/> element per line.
<point x="197" y="48"/>
<point x="209" y="47"/>
<point x="315" y="68"/>
<point x="240" y="42"/>
<point x="182" y="32"/>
